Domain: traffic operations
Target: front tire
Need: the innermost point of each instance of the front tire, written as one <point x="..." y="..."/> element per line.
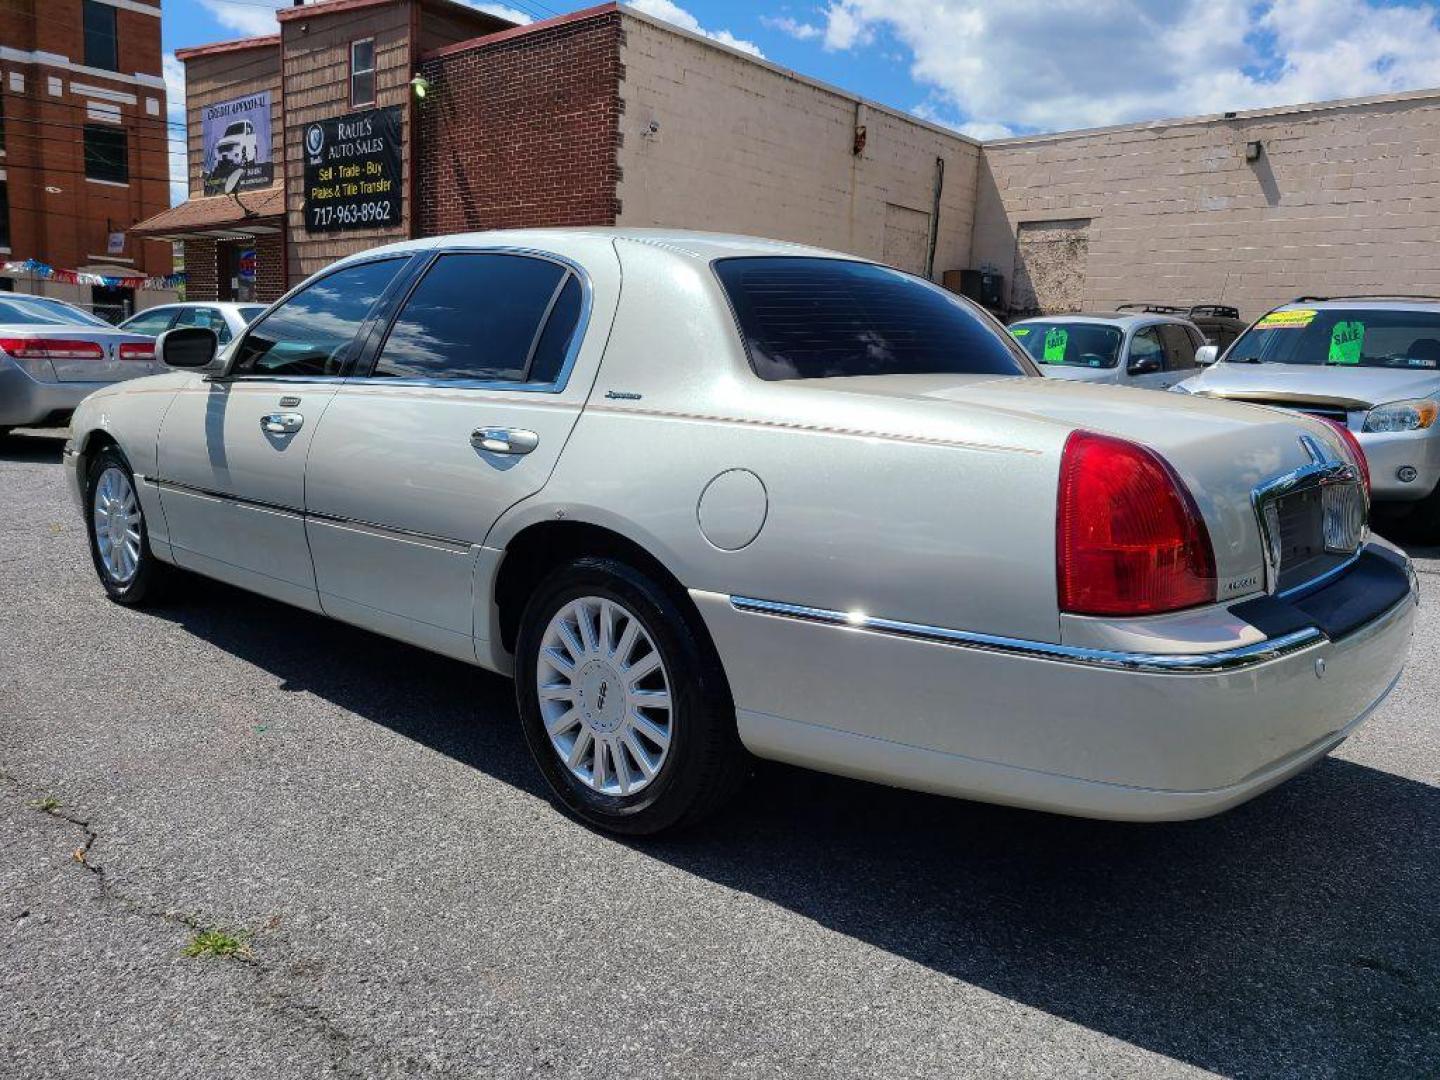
<point x="119" y="541"/>
<point x="623" y="702"/>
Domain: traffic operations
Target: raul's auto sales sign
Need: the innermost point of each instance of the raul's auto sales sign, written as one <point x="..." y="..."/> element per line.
<point x="352" y="172"/>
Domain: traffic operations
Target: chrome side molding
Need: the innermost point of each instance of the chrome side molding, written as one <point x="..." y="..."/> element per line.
<point x="1160" y="663"/>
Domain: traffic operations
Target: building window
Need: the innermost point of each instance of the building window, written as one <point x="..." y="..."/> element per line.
<point x="102" y="44"/>
<point x="106" y="154"/>
<point x="362" y="72"/>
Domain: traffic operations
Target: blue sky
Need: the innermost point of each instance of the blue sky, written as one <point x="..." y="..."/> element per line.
<point x="994" y="68"/>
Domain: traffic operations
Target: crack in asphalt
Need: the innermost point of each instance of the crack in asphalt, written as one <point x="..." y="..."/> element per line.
<point x="278" y="1000"/>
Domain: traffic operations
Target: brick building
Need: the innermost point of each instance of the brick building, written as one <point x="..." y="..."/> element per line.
<point x="83" y="146"/>
<point x="609" y="116"/>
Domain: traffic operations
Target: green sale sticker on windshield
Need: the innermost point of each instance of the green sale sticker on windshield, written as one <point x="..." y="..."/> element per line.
<point x="1346" y="341"/>
<point x="1055" y="342"/>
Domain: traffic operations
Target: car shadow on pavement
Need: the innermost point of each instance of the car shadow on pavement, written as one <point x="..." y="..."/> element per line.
<point x="39" y="445"/>
<point x="1297" y="933"/>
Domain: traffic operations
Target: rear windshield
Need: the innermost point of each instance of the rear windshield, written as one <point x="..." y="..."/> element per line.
<point x="809" y="318"/>
<point x="1342" y="337"/>
<point x="40" y="313"/>
<point x="1074" y="344"/>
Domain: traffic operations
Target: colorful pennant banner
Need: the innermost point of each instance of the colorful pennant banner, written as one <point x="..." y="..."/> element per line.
<point x="36" y="268"/>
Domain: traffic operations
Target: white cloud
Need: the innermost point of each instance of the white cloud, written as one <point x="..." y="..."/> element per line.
<point x="1046" y="65"/>
<point x="253" y="18"/>
<point x="799" y="30"/>
<point x="174" y="72"/>
<point x="672" y="12"/>
<point x="501" y="11"/>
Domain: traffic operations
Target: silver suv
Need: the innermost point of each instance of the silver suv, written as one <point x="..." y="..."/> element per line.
<point x="1370" y="363"/>
<point x="1145" y="349"/>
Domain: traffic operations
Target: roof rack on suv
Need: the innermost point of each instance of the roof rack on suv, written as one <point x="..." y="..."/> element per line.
<point x="1152" y="309"/>
<point x="1367" y="296"/>
<point x="1216" y="311"/>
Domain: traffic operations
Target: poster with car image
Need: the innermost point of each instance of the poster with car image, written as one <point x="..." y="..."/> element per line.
<point x="235" y="136"/>
<point x="352" y="172"/>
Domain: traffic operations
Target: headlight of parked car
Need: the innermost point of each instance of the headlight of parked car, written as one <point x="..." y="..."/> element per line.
<point x="1403" y="415"/>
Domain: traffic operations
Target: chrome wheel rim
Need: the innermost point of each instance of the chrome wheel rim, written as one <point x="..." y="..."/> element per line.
<point x="604" y="696"/>
<point x="117" y="525"/>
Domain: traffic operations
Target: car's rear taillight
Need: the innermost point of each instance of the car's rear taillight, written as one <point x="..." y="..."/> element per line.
<point x="1129" y="539"/>
<point x="1357" y="452"/>
<point x="137" y="350"/>
<point x="51" y="349"/>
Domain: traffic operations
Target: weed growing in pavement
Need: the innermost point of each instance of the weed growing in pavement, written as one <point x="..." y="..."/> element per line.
<point x="47" y="805"/>
<point x="218" y="943"/>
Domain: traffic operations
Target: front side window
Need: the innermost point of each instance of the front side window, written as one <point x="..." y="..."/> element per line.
<point x="314" y="331"/>
<point x="102" y="43"/>
<point x="251" y="312"/>
<point x="153" y="322"/>
<point x="1074" y="344"/>
<point x="1147" y="351"/>
<point x="1343" y="337"/>
<point x="107" y="154"/>
<point x="813" y="318"/>
<point x="362" y="72"/>
<point x="480" y="317"/>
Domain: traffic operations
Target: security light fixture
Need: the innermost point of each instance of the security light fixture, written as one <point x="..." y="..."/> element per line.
<point x="1253" y="150"/>
<point x="420" y="85"/>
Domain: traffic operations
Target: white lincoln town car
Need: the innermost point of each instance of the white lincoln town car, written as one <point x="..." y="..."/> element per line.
<point x="706" y="496"/>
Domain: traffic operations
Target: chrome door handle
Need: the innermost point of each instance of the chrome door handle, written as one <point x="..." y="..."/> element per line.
<point x="281" y="423"/>
<point x="504" y="440"/>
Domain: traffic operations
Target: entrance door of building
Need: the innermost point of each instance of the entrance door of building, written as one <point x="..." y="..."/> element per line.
<point x="237" y="271"/>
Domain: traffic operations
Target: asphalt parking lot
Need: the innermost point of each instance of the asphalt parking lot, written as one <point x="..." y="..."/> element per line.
<point x="361" y="817"/>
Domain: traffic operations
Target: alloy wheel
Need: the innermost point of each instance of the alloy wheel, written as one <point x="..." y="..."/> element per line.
<point x="117" y="525"/>
<point x="604" y="696"/>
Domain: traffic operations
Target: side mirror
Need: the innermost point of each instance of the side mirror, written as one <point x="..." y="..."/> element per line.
<point x="187" y="347"/>
<point x="1144" y="365"/>
<point x="1206" y="355"/>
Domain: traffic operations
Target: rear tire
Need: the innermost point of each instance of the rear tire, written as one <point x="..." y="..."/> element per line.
<point x="119" y="540"/>
<point x="623" y="701"/>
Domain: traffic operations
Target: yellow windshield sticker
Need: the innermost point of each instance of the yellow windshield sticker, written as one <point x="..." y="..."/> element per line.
<point x="1286" y="320"/>
<point x="1055" y="342"/>
<point x="1020" y="331"/>
<point x="1346" y="341"/>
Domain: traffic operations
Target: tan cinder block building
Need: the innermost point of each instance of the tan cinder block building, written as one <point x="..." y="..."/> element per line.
<point x="611" y="117"/>
<point x="1249" y="209"/>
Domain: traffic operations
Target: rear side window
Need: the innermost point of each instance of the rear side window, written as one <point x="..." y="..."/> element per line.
<point x="476" y="317"/>
<point x="816" y="318"/>
<point x="312" y="333"/>
<point x="1179" y="348"/>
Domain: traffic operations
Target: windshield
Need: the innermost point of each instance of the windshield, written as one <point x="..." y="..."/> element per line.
<point x="236" y="129"/>
<point x="251" y="312"/>
<point x="1075" y="344"/>
<point x="44" y="313"/>
<point x="813" y="318"/>
<point x="1342" y="337"/>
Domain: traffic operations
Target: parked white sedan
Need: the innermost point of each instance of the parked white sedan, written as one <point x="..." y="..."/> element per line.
<point x="704" y="495"/>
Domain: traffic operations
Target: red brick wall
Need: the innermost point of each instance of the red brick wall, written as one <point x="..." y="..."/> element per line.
<point x="269" y="268"/>
<point x="201" y="270"/>
<point x="56" y="214"/>
<point x="522" y="131"/>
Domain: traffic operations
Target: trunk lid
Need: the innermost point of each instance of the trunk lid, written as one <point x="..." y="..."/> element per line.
<point x="77" y="364"/>
<point x="1223" y="451"/>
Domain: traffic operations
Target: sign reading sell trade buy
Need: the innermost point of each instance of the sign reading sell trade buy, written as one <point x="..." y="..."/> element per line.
<point x="352" y="172"/>
<point x="236" y="140"/>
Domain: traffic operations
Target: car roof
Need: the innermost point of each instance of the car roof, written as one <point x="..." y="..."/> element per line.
<point x="1367" y="303"/>
<point x="701" y="246"/>
<point x="1121" y="320"/>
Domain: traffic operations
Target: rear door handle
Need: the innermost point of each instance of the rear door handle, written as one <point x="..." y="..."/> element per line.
<point x="281" y="423"/>
<point x="504" y="440"/>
